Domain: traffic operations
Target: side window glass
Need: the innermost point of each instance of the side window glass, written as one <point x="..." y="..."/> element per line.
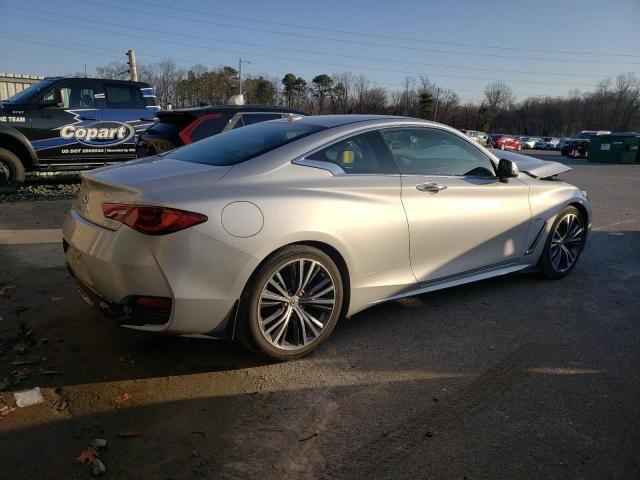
<point x="75" y="95"/>
<point x="364" y="153"/>
<point x="426" y="151"/>
<point x="124" y="96"/>
<point x="239" y="123"/>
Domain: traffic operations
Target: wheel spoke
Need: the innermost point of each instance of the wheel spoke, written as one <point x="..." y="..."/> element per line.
<point x="300" y="316"/>
<point x="322" y="293"/>
<point x="285" y="324"/>
<point x="555" y="257"/>
<point x="318" y="301"/>
<point x="309" y="321"/>
<point x="317" y="287"/>
<point x="283" y="316"/>
<point x="274" y="296"/>
<point x="569" y="255"/>
<point x="300" y="276"/>
<point x="282" y="291"/>
<point x="313" y="319"/>
<point x="310" y="275"/>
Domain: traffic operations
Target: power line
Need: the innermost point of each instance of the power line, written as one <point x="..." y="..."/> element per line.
<point x="314" y="52"/>
<point x="381" y="35"/>
<point x="357" y="42"/>
<point x="290" y="59"/>
<point x="395" y="84"/>
<point x="12" y="37"/>
<point x="72" y="46"/>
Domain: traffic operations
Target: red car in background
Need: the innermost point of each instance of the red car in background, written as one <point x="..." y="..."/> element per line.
<point x="504" y="142"/>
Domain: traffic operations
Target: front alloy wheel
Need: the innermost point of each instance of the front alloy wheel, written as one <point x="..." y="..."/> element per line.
<point x="292" y="304"/>
<point x="564" y="245"/>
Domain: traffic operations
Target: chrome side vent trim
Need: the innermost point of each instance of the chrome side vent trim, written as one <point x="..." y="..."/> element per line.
<point x="537" y="239"/>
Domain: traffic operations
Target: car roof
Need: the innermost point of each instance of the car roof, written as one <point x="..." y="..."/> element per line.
<point x="331" y="121"/>
<point x="110" y="80"/>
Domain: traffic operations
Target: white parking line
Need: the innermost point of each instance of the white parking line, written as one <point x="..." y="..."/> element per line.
<point x="29" y="237"/>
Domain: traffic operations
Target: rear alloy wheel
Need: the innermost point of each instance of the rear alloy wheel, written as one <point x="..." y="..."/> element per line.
<point x="11" y="171"/>
<point x="502" y="147"/>
<point x="564" y="245"/>
<point x="292" y="303"/>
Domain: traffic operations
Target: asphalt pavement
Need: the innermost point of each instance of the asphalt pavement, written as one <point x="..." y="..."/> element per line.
<point x="511" y="378"/>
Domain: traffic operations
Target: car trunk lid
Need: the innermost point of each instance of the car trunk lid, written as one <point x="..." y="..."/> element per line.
<point x="139" y="182"/>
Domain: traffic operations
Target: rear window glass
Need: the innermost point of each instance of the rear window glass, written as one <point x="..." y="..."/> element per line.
<point x="235" y="146"/>
<point x="211" y="126"/>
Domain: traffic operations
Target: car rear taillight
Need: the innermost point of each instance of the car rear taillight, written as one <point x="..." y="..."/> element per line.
<point x="152" y="220"/>
<point x="186" y="132"/>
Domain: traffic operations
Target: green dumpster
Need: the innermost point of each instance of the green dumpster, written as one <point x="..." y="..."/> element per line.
<point x="615" y="148"/>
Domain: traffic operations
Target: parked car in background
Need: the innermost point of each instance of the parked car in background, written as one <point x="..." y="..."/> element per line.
<point x="480" y="137"/>
<point x="175" y="128"/>
<point x="274" y="232"/>
<point x="66" y="124"/>
<point x="528" y="142"/>
<point x="562" y="141"/>
<point x="504" y="142"/>
<point x="578" y="145"/>
<point x="546" y="143"/>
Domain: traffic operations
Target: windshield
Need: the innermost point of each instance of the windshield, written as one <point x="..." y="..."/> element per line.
<point x="29" y="93"/>
<point x="235" y="146"/>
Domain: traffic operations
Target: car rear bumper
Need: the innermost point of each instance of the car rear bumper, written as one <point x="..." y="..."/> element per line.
<point x="114" y="268"/>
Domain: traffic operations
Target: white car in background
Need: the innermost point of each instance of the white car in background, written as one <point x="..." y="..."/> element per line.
<point x="528" y="142"/>
<point x="480" y="137"/>
<point x="546" y="143"/>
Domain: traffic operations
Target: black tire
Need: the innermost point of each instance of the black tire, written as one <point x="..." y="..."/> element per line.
<point x="248" y="322"/>
<point x="11" y="171"/>
<point x="545" y="263"/>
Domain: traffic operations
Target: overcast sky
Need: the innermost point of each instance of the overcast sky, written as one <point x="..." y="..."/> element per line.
<point x="540" y="47"/>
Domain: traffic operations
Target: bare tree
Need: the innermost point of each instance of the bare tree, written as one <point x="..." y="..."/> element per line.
<point x="498" y="96"/>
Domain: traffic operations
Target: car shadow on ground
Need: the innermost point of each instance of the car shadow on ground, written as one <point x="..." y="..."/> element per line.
<point x="50" y="337"/>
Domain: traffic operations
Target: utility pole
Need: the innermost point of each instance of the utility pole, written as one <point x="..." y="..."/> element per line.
<point x="133" y="70"/>
<point x="435" y="111"/>
<point x="240" y="62"/>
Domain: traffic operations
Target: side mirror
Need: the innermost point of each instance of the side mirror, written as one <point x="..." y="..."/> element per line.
<point x="507" y="169"/>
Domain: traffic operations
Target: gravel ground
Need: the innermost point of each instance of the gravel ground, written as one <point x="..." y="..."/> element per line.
<point x="511" y="378"/>
<point x="49" y="189"/>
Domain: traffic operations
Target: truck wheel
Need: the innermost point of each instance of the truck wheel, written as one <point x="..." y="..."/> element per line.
<point x="11" y="171"/>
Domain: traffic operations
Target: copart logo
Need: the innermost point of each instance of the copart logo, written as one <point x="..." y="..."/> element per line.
<point x="108" y="133"/>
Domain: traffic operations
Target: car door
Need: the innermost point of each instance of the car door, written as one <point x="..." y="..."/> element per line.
<point x="56" y="129"/>
<point x="365" y="187"/>
<point x="462" y="219"/>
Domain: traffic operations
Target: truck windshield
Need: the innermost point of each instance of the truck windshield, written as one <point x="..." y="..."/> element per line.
<point x="29" y="93"/>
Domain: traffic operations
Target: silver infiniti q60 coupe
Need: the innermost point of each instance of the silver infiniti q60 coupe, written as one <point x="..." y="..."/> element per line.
<point x="273" y="232"/>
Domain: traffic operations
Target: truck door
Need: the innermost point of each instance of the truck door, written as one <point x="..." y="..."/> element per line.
<point x="57" y="130"/>
<point x="125" y="104"/>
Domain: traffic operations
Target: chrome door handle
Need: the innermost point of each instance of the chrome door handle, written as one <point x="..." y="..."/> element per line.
<point x="430" y="187"/>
